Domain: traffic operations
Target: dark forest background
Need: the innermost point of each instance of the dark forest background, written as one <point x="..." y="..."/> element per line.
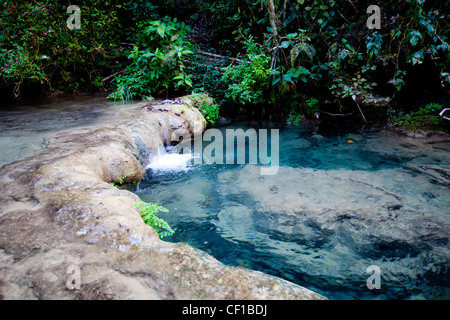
<point x="277" y="59"/>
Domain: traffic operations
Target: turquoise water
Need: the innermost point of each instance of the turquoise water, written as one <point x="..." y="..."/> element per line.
<point x="343" y="200"/>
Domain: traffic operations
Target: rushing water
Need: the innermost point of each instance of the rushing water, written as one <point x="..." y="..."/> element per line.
<point x="343" y="200"/>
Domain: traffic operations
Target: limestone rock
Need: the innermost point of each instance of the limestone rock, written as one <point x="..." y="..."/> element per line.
<point x="66" y="233"/>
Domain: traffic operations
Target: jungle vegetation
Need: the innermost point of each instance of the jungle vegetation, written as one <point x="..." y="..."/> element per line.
<point x="275" y="59"/>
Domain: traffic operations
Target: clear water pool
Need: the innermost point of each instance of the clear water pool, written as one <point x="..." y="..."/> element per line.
<point x="343" y="200"/>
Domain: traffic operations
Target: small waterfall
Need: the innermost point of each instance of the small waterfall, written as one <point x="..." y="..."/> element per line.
<point x="138" y="186"/>
<point x="164" y="161"/>
<point x="166" y="136"/>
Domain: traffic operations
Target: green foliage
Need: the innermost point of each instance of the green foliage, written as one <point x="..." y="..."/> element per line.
<point x="287" y="50"/>
<point x="294" y="118"/>
<point x="431" y="108"/>
<point x="158" y="60"/>
<point x="349" y="60"/>
<point x="206" y="75"/>
<point x="311" y="106"/>
<point x="356" y="86"/>
<point x="122" y="179"/>
<point x="37" y="47"/>
<point x="148" y="213"/>
<point x="129" y="87"/>
<point x="183" y="80"/>
<point x="207" y="106"/>
<point x="373" y="45"/>
<point x="308" y="108"/>
<point x="250" y="78"/>
<point x="302" y="49"/>
<point x="426" y="118"/>
<point x="210" y="112"/>
<point x="286" y="81"/>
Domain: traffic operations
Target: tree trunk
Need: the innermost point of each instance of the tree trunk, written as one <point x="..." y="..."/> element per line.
<point x="274" y="26"/>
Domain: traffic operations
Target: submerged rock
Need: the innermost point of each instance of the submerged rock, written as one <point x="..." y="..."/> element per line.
<point x="221" y="121"/>
<point x="66" y="233"/>
<point x="297" y="144"/>
<point x="358" y="218"/>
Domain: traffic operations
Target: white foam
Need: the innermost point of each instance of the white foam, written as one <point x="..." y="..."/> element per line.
<point x="170" y="161"/>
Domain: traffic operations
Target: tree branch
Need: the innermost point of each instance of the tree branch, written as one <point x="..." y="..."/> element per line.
<point x="337" y="114"/>
<point x="109" y="77"/>
<point x="219" y="56"/>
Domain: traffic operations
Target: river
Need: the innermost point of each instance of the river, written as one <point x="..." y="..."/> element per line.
<point x="345" y="198"/>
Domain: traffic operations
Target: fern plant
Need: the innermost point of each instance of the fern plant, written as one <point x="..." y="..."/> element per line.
<point x="148" y="213"/>
<point x="121" y="179"/>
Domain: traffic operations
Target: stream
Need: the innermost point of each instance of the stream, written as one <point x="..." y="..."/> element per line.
<point x="344" y="198"/>
<point x="27" y="128"/>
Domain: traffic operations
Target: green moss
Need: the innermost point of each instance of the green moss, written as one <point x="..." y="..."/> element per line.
<point x="418" y="122"/>
<point x="206" y="105"/>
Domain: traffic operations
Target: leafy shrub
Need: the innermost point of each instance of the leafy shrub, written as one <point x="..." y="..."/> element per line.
<point x="37" y="47"/>
<point x="207" y="106"/>
<point x="210" y="112"/>
<point x="426" y="118"/>
<point x="431" y="108"/>
<point x="207" y="75"/>
<point x="157" y="61"/>
<point x="249" y="79"/>
<point x="294" y="118"/>
<point x="148" y="213"/>
<point x="311" y="107"/>
<point x="130" y="87"/>
<point x="288" y="49"/>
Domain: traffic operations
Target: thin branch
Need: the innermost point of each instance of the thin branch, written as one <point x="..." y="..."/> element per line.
<point x="362" y="114"/>
<point x="109" y="77"/>
<point x="354" y="6"/>
<point x="127" y="43"/>
<point x="219" y="56"/>
<point x="338" y="114"/>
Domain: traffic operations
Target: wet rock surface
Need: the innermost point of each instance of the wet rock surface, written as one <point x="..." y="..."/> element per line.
<point x="59" y="215"/>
